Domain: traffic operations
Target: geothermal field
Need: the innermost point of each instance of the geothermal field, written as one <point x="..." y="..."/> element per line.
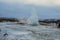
<point x="12" y="31"/>
<point x="32" y="30"/>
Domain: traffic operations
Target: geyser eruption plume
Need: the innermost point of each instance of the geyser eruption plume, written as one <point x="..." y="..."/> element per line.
<point x="33" y="19"/>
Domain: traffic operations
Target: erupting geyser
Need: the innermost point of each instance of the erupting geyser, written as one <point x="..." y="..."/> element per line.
<point x="33" y="19"/>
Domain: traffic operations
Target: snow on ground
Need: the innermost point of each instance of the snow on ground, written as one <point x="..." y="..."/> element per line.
<point x="20" y="32"/>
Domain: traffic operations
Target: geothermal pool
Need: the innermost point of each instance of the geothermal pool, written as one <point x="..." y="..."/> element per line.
<point x="27" y="32"/>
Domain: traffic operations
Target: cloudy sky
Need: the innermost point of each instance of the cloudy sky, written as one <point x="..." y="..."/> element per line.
<point x="23" y="8"/>
<point x="35" y="2"/>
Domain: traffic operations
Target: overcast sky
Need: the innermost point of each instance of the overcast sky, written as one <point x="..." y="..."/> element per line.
<point x="45" y="8"/>
<point x="35" y="2"/>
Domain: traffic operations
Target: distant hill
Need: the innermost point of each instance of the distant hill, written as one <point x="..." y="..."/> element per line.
<point x="4" y="19"/>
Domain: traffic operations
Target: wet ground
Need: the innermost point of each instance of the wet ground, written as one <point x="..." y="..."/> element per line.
<point x="28" y="32"/>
